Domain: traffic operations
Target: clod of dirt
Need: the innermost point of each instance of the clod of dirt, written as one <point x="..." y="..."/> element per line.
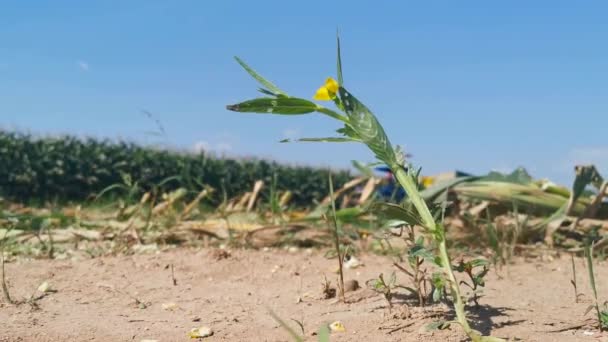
<point x="337" y="326"/>
<point x="220" y="254"/>
<point x="201" y="332"/>
<point x="403" y="312"/>
<point x="170" y="306"/>
<point x="351" y="285"/>
<point x="45" y="288"/>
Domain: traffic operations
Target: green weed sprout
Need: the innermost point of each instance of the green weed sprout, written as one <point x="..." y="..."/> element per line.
<point x="360" y="125"/>
<point x="602" y="315"/>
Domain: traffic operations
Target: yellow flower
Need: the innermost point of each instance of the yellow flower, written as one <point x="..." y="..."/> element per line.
<point x="427" y="181"/>
<point x="328" y="91"/>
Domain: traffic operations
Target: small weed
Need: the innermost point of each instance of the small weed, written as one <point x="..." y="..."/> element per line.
<point x="327" y="290"/>
<point x="416" y="256"/>
<point x="476" y="279"/>
<point x="385" y="288"/>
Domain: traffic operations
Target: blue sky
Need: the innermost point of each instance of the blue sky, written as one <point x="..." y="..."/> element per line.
<point x="474" y="85"/>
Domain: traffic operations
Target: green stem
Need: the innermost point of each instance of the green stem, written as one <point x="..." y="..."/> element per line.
<point x="331" y="113"/>
<point x="438" y="233"/>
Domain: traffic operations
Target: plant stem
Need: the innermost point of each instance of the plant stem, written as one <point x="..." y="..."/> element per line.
<point x="573" y="281"/>
<point x="337" y="238"/>
<point x="438" y="233"/>
<point x="589" y="256"/>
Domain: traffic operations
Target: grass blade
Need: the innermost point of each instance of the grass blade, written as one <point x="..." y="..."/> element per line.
<point x="589" y="258"/>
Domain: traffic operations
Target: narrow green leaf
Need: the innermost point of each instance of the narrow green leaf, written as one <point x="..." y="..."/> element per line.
<point x="396" y="212"/>
<point x="439" y="325"/>
<point x="286" y="327"/>
<point x="421" y="252"/>
<point x="266" y="92"/>
<point x="339" y="61"/>
<point x="323" y="334"/>
<point x="431" y="193"/>
<point x="479" y="262"/>
<point x="267" y="84"/>
<point x="332" y="114"/>
<point x="589" y="257"/>
<point x="280" y="105"/>
<point x="327" y="139"/>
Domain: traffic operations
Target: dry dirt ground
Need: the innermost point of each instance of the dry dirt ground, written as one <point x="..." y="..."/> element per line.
<point x="96" y="299"/>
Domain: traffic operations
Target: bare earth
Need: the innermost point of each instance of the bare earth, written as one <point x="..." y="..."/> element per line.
<point x="96" y="300"/>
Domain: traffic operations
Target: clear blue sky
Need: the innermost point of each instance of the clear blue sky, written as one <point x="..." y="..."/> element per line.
<point x="474" y="85"/>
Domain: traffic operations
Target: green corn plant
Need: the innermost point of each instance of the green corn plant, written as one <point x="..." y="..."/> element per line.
<point x="361" y="125"/>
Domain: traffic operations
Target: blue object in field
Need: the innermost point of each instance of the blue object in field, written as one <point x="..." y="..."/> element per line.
<point x="391" y="190"/>
<point x="386" y="192"/>
<point x="384" y="169"/>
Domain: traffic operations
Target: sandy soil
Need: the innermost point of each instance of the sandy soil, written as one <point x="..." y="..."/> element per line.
<point x="96" y="300"/>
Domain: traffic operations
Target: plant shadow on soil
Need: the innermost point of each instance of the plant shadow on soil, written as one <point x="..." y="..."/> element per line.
<point x="480" y="317"/>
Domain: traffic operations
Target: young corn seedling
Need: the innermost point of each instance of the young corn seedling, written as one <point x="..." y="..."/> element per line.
<point x="361" y="125"/>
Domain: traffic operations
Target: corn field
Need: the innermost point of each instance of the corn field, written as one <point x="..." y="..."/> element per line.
<point x="71" y="169"/>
